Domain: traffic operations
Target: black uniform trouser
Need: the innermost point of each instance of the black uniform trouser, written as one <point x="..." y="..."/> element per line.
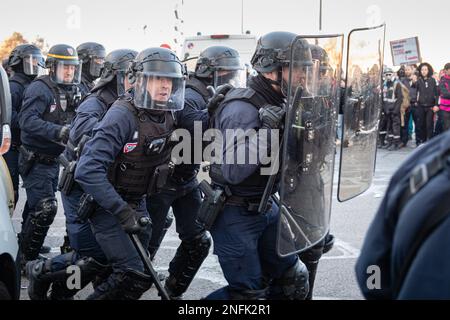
<point x="383" y="127"/>
<point x="393" y="126"/>
<point x="424" y="123"/>
<point x="404" y="132"/>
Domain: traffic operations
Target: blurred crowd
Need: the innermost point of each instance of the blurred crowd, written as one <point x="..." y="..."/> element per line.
<point x="416" y="105"/>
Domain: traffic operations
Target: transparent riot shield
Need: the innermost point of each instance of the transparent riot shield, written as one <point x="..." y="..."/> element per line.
<point x="361" y="107"/>
<point x="307" y="161"/>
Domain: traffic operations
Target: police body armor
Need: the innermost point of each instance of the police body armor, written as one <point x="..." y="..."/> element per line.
<point x="248" y="95"/>
<point x="198" y="86"/>
<point x="69" y="159"/>
<point x="24" y="83"/>
<point x="143" y="166"/>
<point x="184" y="173"/>
<point x="65" y="102"/>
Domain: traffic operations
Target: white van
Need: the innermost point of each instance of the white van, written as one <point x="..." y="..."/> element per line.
<point x="9" y="247"/>
<point x="245" y="44"/>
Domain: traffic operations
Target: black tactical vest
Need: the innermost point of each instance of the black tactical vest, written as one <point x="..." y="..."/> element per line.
<point x="248" y="95"/>
<point x="24" y="83"/>
<point x="198" y="87"/>
<point x="20" y="80"/>
<point x="106" y="98"/>
<point x="133" y="171"/>
<point x="62" y="111"/>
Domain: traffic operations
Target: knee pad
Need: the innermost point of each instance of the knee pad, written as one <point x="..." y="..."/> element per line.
<point x="293" y="285"/>
<point x="89" y="268"/>
<point x="329" y="243"/>
<point x="313" y="254"/>
<point x="36" y="227"/>
<point x="128" y="285"/>
<point x="247" y="294"/>
<point x="187" y="261"/>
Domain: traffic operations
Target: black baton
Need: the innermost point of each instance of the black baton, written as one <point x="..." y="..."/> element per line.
<point x="146" y="260"/>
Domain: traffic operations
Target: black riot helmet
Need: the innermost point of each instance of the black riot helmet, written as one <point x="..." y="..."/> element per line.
<point x="319" y="54"/>
<point x="63" y="64"/>
<point x="159" y="80"/>
<point x="115" y="68"/>
<point x="92" y="56"/>
<point x="221" y="65"/>
<point x="27" y="59"/>
<point x="273" y="52"/>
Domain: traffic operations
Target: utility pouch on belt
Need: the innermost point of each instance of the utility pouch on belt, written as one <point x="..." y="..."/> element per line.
<point x="29" y="160"/>
<point x="67" y="179"/>
<point x="160" y="177"/>
<point x="87" y="207"/>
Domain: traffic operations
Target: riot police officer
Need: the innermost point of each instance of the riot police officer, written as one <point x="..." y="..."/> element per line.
<point x="27" y="63"/>
<point x="125" y="161"/>
<point x="92" y="56"/>
<point x="216" y="66"/>
<point x="86" y="253"/>
<point x="48" y="108"/>
<point x="245" y="237"/>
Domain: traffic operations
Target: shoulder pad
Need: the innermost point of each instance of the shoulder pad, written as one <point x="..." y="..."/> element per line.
<point x="199" y="87"/>
<point x="246" y="94"/>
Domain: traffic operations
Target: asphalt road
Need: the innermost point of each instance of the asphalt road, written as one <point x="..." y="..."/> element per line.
<point x="335" y="278"/>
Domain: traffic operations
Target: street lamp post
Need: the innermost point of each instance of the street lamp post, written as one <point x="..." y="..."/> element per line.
<point x="242" y="16"/>
<point x="320" y="16"/>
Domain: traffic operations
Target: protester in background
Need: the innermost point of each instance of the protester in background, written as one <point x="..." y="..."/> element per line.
<point x="444" y="88"/>
<point x="405" y="108"/>
<point x="427" y="92"/>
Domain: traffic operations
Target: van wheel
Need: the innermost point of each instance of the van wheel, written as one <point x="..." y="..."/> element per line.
<point x="4" y="294"/>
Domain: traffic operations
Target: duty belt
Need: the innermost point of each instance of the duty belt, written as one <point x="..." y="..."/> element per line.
<point x="45" y="159"/>
<point x="183" y="178"/>
<point x="250" y="203"/>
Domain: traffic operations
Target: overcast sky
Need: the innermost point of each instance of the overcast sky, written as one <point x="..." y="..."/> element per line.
<point x="120" y="24"/>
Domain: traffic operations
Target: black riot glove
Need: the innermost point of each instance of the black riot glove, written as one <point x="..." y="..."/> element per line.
<point x="63" y="135"/>
<point x="272" y="117"/>
<point x="217" y="96"/>
<point x="131" y="221"/>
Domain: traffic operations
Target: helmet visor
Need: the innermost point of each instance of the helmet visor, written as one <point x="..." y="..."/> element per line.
<point x="155" y="91"/>
<point x="96" y="66"/>
<point x="33" y="64"/>
<point x="122" y="82"/>
<point x="237" y="78"/>
<point x="301" y="76"/>
<point x="66" y="72"/>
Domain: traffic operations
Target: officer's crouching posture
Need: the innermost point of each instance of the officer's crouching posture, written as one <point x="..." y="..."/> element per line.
<point x="245" y="240"/>
<point x="118" y="167"/>
<point x="86" y="254"/>
<point x="217" y="66"/>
